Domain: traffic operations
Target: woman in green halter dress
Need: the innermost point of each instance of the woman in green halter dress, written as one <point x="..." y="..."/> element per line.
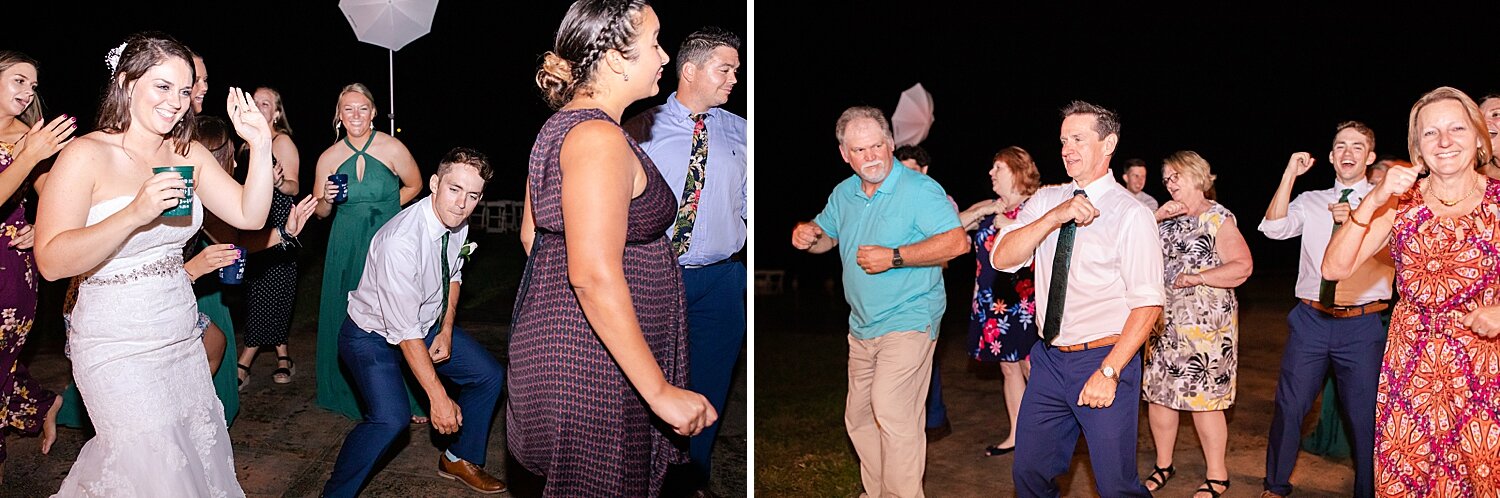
<point x="383" y="176"/>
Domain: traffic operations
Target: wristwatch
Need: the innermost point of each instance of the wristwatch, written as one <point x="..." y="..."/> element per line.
<point x="1110" y="373"/>
<point x="896" y="261"/>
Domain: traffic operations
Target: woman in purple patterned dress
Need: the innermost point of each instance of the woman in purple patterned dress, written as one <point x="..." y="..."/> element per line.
<point x="598" y="350"/>
<point x="25" y="140"/>
<point x="1001" y="326"/>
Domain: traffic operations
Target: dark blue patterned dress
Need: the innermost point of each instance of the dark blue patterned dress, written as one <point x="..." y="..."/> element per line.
<point x="1002" y="322"/>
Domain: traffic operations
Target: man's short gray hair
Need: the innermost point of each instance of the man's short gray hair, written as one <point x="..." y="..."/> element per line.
<point x="858" y="112"/>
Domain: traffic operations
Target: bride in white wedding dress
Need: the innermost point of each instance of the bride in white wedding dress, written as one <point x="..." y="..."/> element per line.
<point x="135" y="348"/>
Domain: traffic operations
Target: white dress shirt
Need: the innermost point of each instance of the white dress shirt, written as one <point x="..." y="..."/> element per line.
<point x="1309" y="217"/>
<point x="1147" y="200"/>
<point x="1116" y="263"/>
<point x="401" y="291"/>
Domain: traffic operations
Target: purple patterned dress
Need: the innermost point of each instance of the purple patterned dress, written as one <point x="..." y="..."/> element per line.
<point x="23" y="403"/>
<point x="572" y="415"/>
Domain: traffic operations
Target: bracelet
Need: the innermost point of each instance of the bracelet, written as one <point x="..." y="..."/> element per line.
<point x="1356" y="222"/>
<point x="287" y="239"/>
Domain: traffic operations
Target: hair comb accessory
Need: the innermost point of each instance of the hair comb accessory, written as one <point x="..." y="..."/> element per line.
<point x="112" y="59"/>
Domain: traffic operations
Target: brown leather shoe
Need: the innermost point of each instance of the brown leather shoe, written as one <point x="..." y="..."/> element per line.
<point x="471" y="475"/>
<point x="1268" y="494"/>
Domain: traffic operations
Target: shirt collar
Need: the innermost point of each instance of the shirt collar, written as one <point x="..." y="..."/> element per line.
<point x="1098" y="187"/>
<point x="431" y="225"/>
<point x="1361" y="187"/>
<point x="676" y="110"/>
<point x="894" y="177"/>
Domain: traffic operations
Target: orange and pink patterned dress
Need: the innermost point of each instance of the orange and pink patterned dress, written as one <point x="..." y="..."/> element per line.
<point x="1438" y="408"/>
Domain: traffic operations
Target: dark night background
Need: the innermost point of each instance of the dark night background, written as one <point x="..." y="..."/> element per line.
<point x="1243" y="84"/>
<point x="468" y="82"/>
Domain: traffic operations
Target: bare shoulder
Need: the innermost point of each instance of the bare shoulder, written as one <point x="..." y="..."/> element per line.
<point x="335" y="152"/>
<point x="388" y="145"/>
<point x="594" y="133"/>
<point x="86" y="150"/>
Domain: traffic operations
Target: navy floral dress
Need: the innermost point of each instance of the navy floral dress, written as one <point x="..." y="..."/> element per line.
<point x="1002" y="321"/>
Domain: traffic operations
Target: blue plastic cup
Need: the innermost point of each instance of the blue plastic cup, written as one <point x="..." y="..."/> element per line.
<point x="340" y="180"/>
<point x="235" y="272"/>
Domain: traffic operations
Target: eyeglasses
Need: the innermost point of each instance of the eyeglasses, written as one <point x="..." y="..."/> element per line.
<point x="1168" y="180"/>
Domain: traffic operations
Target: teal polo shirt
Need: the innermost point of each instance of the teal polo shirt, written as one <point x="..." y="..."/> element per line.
<point x="907" y="208"/>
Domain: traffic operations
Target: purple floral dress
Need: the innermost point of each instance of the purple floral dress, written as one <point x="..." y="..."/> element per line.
<point x="1002" y="321"/>
<point x="23" y="403"/>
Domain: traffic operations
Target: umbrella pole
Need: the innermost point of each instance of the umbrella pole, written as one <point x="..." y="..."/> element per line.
<point x="393" y="91"/>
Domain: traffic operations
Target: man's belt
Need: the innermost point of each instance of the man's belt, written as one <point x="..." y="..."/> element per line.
<point x="1094" y="344"/>
<point x="1348" y="311"/>
<point x="738" y="257"/>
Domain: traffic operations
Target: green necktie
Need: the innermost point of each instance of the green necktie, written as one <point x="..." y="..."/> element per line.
<point x="443" y="256"/>
<point x="1327" y="289"/>
<point x="1057" y="291"/>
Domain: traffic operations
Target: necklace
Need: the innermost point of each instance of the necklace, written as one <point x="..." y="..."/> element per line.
<point x="1454" y="202"/>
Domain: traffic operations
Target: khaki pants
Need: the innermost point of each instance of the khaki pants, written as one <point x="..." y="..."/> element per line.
<point x="888" y="381"/>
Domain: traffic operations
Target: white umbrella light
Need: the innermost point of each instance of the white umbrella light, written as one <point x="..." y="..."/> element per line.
<point x="390" y="24"/>
<point x="913" y="116"/>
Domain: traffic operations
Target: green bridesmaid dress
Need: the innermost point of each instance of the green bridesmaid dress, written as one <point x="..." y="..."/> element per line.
<point x="372" y="201"/>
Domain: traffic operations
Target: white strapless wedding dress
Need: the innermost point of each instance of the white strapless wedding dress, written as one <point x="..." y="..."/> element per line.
<point x="140" y="366"/>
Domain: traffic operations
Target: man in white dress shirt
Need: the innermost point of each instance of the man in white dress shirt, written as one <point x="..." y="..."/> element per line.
<point x="1135" y="182"/>
<point x="1097" y="250"/>
<point x="402" y="312"/>
<point x="1336" y="323"/>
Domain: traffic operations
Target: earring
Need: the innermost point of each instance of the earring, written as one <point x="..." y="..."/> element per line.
<point x="627" y="76"/>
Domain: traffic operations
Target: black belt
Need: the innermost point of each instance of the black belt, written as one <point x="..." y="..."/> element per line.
<point x="738" y="257"/>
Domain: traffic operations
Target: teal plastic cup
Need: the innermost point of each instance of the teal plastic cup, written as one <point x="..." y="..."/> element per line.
<point x="185" y="204"/>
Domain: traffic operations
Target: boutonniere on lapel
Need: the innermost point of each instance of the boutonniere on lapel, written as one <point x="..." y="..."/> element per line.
<point x="467" y="249"/>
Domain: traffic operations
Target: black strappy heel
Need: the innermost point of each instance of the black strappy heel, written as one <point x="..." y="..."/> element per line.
<point x="244" y="381"/>
<point x="288" y="372"/>
<point x="1208" y="487"/>
<point x="1159" y="476"/>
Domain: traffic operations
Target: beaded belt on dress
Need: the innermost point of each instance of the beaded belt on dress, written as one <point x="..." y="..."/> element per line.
<point x="166" y="266"/>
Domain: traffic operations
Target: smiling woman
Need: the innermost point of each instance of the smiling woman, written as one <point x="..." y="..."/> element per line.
<point x="143" y="376"/>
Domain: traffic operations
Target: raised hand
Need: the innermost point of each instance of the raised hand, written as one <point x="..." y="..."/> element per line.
<point x="1170" y="209"/>
<point x="248" y="122"/>
<point x="805" y="235"/>
<point x="44" y="140"/>
<point x="160" y="193"/>
<point x="1299" y="163"/>
<point x="1340" y="211"/>
<point x="297" y="220"/>
<point x="1077" y="209"/>
<point x="1397" y="181"/>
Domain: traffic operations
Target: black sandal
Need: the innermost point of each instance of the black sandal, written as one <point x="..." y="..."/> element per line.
<point x="284" y="375"/>
<point x="1208" y="487"/>
<point x="245" y="380"/>
<point x="1159" y="476"/>
<point x="996" y="450"/>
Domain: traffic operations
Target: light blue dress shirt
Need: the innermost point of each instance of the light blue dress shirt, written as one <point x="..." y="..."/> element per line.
<point x="665" y="132"/>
